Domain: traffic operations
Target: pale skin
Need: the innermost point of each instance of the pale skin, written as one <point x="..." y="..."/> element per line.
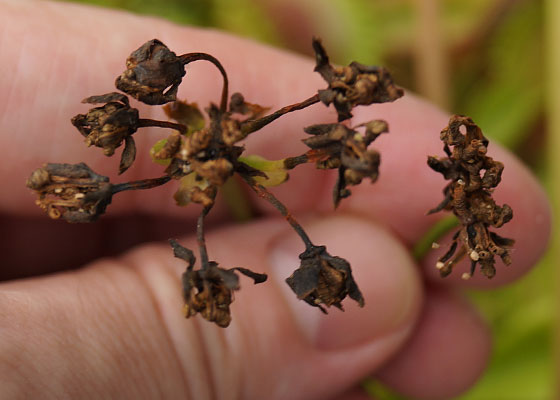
<point x="113" y="327"/>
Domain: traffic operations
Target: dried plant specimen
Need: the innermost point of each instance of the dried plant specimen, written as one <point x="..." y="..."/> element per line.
<point x="473" y="177"/>
<point x="205" y="149"/>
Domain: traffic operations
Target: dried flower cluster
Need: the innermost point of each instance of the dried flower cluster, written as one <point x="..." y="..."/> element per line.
<point x="473" y="176"/>
<point x="204" y="150"/>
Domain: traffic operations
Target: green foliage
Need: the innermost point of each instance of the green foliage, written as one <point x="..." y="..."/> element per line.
<point x="275" y="171"/>
<point x="157" y="147"/>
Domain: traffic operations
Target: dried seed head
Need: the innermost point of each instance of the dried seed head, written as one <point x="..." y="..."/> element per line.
<point x="109" y="125"/>
<point x="209" y="291"/>
<point x="205" y="292"/>
<point x="215" y="171"/>
<point x="337" y="146"/>
<point x="150" y="71"/>
<point x="473" y="174"/>
<point x="71" y="191"/>
<point x="322" y="279"/>
<point x="353" y="85"/>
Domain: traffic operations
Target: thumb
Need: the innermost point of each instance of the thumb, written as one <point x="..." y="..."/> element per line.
<point x="115" y="328"/>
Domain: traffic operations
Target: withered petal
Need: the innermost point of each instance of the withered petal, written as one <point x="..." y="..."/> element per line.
<point x="183" y="253"/>
<point x="106" y="98"/>
<point x="258" y="278"/>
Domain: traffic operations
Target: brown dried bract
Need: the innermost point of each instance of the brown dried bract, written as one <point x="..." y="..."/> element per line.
<point x="71" y="191"/>
<point x="337" y="146"/>
<point x="473" y="176"/>
<point x="322" y="279"/>
<point x="238" y="105"/>
<point x="150" y="71"/>
<point x="353" y="85"/>
<point x="209" y="290"/>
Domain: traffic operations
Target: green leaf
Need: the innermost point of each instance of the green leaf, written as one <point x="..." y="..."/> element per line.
<point x="275" y="171"/>
<point x="157" y="147"/>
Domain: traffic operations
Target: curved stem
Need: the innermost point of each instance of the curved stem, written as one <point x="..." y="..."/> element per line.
<point x="143" y="123"/>
<point x="253" y="125"/>
<point x="190" y="57"/>
<point x="200" y="237"/>
<point x="262" y="192"/>
<point x="140" y="185"/>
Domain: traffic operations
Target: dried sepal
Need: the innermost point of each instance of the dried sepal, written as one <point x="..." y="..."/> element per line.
<point x="128" y="155"/>
<point x="187" y="114"/>
<point x="183" y="253"/>
<point x="194" y="189"/>
<point x="238" y="105"/>
<point x="353" y="85"/>
<point x="322" y="279"/>
<point x="337" y="146"/>
<point x="109" y="125"/>
<point x="71" y="191"/>
<point x="473" y="176"/>
<point x="209" y="291"/>
<point x="153" y="74"/>
<point x="215" y="171"/>
<point x="164" y="150"/>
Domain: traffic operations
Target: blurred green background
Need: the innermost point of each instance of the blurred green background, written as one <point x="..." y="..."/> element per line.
<point x="482" y="58"/>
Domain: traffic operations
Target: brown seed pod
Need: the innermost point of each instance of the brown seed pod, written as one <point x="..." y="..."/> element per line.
<point x="322" y="279"/>
<point x="153" y="74"/>
<point x="71" y="191"/>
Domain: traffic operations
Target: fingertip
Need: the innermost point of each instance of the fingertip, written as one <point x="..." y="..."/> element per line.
<point x="446" y="354"/>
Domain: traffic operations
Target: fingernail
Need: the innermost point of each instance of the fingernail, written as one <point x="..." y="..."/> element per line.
<point x="382" y="268"/>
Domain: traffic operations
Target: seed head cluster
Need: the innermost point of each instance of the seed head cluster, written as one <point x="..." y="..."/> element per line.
<point x="202" y="150"/>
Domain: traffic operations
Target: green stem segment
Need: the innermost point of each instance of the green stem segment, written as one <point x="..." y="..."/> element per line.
<point x="439" y="229"/>
<point x="263" y="193"/>
<point x="190" y="57"/>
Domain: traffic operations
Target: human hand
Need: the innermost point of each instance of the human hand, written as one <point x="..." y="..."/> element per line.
<point x="113" y="329"/>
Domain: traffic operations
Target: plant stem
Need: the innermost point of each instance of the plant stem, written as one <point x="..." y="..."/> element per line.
<point x="140" y="185"/>
<point x="262" y="192"/>
<point x="253" y="125"/>
<point x="190" y="57"/>
<point x="552" y="13"/>
<point x="143" y="123"/>
<point x="200" y="237"/>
